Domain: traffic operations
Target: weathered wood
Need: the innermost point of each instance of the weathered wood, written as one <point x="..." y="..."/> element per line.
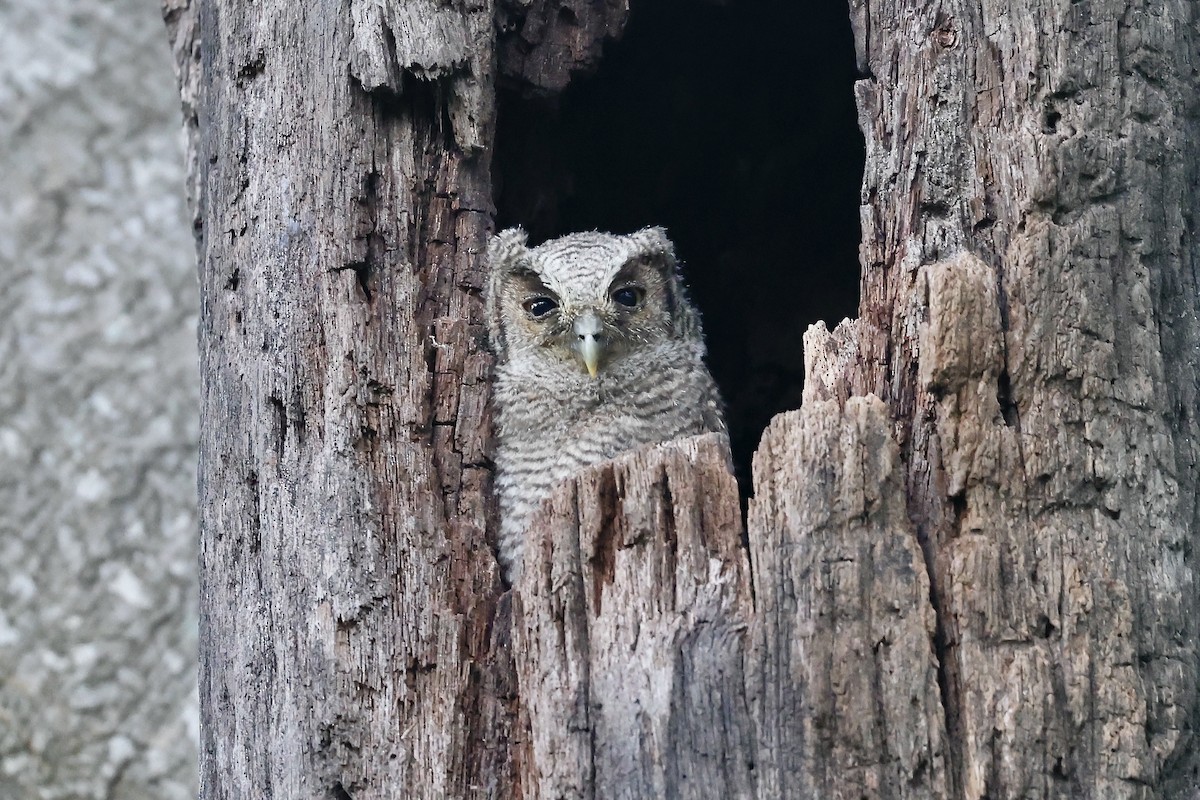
<point x="629" y="626"/>
<point x="842" y="674"/>
<point x="973" y="547"/>
<point x="1029" y="315"/>
<point x="543" y="43"/>
<point x="347" y="588"/>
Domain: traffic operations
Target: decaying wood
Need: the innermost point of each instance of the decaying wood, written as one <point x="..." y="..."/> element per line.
<point x="543" y="43"/>
<point x="348" y="592"/>
<point x="1029" y="316"/>
<point x="629" y="625"/>
<point x="422" y="41"/>
<point x="841" y="667"/>
<point x="973" y="549"/>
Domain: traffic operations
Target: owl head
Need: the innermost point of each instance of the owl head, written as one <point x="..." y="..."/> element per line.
<point x="587" y="299"/>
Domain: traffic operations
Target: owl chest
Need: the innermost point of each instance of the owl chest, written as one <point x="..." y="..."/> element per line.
<point x="560" y="418"/>
<point x="571" y="430"/>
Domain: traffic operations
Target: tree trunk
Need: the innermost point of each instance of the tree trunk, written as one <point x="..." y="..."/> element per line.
<point x="340" y="170"/>
<point x="629" y="627"/>
<point x="1029" y="314"/>
<point x="971" y="551"/>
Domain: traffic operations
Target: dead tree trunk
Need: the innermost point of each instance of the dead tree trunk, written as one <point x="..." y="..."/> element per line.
<point x="1029" y="315"/>
<point x="971" y="569"/>
<point x="340" y="165"/>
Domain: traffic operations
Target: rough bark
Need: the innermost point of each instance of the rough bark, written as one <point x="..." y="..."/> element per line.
<point x="972" y="548"/>
<point x="629" y="625"/>
<point x="1029" y="315"/>
<point x="842" y="673"/>
<point x="543" y="43"/>
<point x="347" y="588"/>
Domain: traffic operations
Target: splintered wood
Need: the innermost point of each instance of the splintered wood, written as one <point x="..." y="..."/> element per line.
<point x="628" y="630"/>
<point x="842" y="668"/>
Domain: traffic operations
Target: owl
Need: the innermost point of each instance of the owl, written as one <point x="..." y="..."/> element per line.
<point x="599" y="351"/>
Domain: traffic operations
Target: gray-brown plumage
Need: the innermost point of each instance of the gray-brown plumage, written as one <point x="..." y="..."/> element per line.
<point x="599" y="352"/>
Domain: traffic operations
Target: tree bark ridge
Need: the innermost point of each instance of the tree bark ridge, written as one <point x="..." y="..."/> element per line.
<point x="629" y="621"/>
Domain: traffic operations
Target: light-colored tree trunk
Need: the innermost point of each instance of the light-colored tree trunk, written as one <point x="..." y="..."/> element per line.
<point x="971" y="553"/>
<point x="340" y="170"/>
<point x="1029" y="315"/>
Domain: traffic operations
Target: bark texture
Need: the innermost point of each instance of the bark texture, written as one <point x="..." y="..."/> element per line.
<point x="842" y="673"/>
<point x="629" y="626"/>
<point x="542" y="43"/>
<point x="1029" y="315"/>
<point x="347" y="586"/>
<point x="972" y="548"/>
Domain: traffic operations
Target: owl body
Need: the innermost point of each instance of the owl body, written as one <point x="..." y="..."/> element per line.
<point x="599" y="352"/>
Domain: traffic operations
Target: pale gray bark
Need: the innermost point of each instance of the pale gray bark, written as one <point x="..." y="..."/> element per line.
<point x="843" y="675"/>
<point x="97" y="410"/>
<point x="629" y="624"/>
<point x="1030" y="317"/>
<point x="347" y="586"/>
<point x="972" y="549"/>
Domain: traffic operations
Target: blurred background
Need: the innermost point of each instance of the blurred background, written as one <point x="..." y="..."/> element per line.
<point x="98" y="392"/>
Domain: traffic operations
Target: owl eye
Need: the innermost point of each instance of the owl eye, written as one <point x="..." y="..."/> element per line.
<point x="539" y="307"/>
<point x="628" y="296"/>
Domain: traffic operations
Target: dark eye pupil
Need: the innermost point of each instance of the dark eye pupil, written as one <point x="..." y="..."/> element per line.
<point x="540" y="306"/>
<point x="628" y="297"/>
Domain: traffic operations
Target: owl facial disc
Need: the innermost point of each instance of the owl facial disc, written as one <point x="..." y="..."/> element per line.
<point x="589" y="340"/>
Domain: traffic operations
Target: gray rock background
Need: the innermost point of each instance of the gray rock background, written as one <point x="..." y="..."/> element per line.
<point x="98" y="394"/>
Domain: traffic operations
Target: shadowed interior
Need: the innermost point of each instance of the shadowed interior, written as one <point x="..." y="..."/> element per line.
<point x="733" y="125"/>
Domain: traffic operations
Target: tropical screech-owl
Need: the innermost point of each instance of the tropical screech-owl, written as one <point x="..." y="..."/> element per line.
<point x="599" y="351"/>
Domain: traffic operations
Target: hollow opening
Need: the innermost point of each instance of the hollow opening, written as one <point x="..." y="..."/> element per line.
<point x="733" y="125"/>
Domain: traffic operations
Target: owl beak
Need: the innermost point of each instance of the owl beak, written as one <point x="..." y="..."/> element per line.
<point x="589" y="340"/>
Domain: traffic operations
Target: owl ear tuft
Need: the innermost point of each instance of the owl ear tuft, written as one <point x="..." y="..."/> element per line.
<point x="654" y="241"/>
<point x="505" y="249"/>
